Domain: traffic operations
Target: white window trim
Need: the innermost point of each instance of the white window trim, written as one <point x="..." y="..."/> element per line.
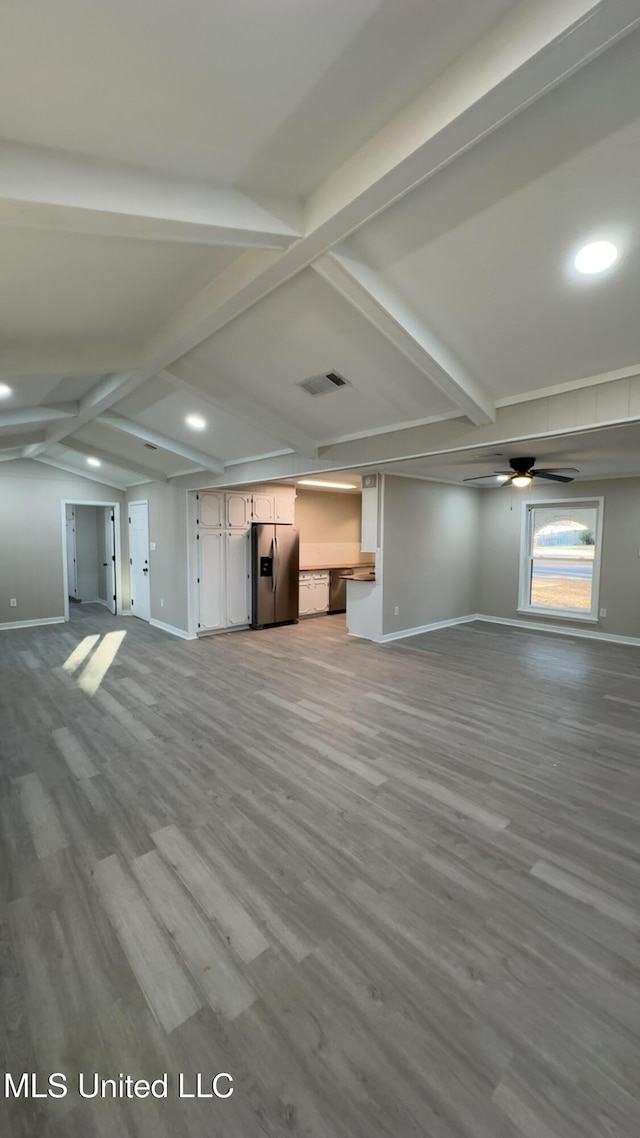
<point x="524" y="605"/>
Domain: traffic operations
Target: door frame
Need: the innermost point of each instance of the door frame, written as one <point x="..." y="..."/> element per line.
<point x="115" y="506"/>
<point x="140" y="502"/>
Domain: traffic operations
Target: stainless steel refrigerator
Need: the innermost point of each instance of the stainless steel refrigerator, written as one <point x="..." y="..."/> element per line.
<point x="274" y="574"/>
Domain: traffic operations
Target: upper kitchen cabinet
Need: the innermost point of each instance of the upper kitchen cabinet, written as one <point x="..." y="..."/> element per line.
<point x="284" y="508"/>
<point x="238" y="511"/>
<point x="263" y="508"/>
<point x="211" y="509"/>
<point x="274" y="506"/>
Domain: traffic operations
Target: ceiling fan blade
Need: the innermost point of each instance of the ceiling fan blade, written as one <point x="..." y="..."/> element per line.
<point x="550" y="477"/>
<point x="485" y="477"/>
<point x="556" y="470"/>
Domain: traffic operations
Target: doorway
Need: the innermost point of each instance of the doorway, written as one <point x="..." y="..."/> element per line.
<point x="139" y="559"/>
<point x="91" y="554"/>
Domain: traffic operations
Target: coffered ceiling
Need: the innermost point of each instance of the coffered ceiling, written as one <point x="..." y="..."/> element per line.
<point x="202" y="205"/>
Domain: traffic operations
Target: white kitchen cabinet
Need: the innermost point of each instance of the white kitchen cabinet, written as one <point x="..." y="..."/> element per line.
<point x="304" y="595"/>
<point x="263" y="508"/>
<point x="313" y="595"/>
<point x="274" y="508"/>
<point x="284" y="508"/>
<point x="224" y="567"/>
<point x="238" y="511"/>
<point x="210" y="509"/>
<point x="369" y="539"/>
<point x="211" y="592"/>
<point x="237" y="578"/>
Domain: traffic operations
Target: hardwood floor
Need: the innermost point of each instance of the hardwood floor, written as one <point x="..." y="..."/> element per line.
<point x="392" y="891"/>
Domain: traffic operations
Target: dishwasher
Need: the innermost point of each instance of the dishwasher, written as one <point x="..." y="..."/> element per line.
<point x="338" y="590"/>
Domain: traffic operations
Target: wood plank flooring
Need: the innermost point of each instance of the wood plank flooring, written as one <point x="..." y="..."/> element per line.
<point x="393" y="891"/>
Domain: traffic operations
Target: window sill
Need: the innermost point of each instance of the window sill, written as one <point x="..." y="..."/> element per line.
<point x="558" y="614"/>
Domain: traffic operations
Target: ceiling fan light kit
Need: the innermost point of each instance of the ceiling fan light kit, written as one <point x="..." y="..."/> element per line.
<point x="522" y="473"/>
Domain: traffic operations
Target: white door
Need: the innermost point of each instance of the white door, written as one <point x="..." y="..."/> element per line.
<point x="139" y="559"/>
<point x="238" y="578"/>
<point x="109" y="565"/>
<point x="211" y="600"/>
<point x="72" y="573"/>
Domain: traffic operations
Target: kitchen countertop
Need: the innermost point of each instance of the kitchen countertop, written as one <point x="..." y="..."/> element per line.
<point x="316" y="568"/>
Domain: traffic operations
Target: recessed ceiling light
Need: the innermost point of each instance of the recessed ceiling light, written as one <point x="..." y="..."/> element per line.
<point x="327" y="485"/>
<point x="596" y="257"/>
<point x="93" y="462"/>
<point x="4" y="390"/>
<point x="196" y="422"/>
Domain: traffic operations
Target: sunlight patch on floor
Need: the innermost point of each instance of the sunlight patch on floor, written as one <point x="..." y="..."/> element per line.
<point x="98" y="664"/>
<point x="80" y="653"/>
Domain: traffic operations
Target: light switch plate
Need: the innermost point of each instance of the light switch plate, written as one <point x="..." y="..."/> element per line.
<point x="152" y="546"/>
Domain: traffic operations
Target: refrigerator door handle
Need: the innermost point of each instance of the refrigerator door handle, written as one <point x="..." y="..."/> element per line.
<point x="274" y="575"/>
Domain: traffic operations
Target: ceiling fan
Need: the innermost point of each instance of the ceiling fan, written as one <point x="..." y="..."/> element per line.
<point x="522" y="472"/>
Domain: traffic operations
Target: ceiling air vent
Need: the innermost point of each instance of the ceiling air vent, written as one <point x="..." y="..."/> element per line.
<point x="323" y="384"/>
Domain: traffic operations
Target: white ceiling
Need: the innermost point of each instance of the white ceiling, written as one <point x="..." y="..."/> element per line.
<point x="58" y="287"/>
<point x="305" y="329"/>
<point x="233" y="92"/>
<point x="203" y="204"/>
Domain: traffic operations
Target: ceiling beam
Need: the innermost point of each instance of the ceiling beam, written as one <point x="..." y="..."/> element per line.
<point x="41" y="189"/>
<point x="370" y="295"/>
<point x="43" y="414"/>
<point x="241" y="405"/>
<point x="104" y="479"/>
<point x="139" y="431"/>
<point x="118" y="461"/>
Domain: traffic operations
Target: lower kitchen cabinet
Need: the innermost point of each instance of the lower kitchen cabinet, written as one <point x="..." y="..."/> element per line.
<point x="223" y="583"/>
<point x="313" y="592"/>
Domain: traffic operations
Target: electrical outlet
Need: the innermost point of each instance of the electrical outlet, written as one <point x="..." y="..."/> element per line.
<point x="161" y="602"/>
<point x="396" y="611"/>
<point x="603" y="612"/>
<point x="13" y="602"/>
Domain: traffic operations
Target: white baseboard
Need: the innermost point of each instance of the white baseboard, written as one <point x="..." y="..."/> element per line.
<point x="171" y="629"/>
<point x="32" y="623"/>
<point x="531" y="625"/>
<point x="559" y="629"/>
<point x="386" y="637"/>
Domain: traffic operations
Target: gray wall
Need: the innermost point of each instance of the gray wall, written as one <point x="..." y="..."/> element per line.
<point x="430" y="545"/>
<point x="499" y="561"/>
<point x="87" y="552"/>
<point x="328" y="516"/>
<point x="168" y="562"/>
<point x="31" y="546"/>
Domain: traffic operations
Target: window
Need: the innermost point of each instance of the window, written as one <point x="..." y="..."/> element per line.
<point x="560" y="558"/>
